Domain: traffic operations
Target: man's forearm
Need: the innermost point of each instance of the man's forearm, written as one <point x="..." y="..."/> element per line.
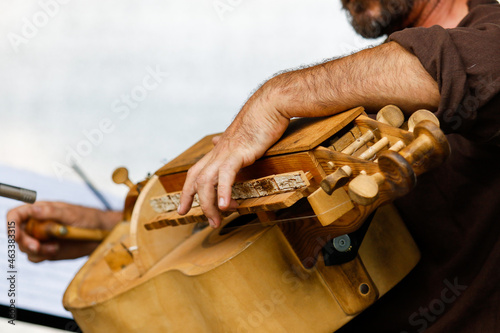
<point x="373" y="78"/>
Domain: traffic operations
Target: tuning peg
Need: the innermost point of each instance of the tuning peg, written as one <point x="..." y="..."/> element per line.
<point x="429" y="149"/>
<point x="364" y="189"/>
<point x="337" y="179"/>
<point x="120" y="176"/>
<point x="421" y="115"/>
<point x="391" y="115"/>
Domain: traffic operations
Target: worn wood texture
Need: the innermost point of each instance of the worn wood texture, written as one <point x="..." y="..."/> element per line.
<point x="169" y="202"/>
<point x="246" y="206"/>
<point x="270" y="185"/>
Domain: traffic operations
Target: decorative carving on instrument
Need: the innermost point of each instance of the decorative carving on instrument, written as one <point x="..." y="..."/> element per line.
<point x="266" y="186"/>
<point x="275" y="187"/>
<point x="257" y="188"/>
<point x="169" y="202"/>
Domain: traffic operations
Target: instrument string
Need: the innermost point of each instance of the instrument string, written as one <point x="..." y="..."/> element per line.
<point x="294" y="219"/>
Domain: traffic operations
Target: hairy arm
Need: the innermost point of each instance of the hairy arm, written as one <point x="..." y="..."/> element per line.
<point x="372" y="78"/>
<point x="387" y="74"/>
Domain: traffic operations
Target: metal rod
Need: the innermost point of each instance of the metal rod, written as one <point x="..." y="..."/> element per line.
<point x="17" y="193"/>
<point x="91" y="186"/>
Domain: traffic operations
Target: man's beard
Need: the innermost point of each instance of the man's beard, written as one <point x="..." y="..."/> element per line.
<point x="374" y="18"/>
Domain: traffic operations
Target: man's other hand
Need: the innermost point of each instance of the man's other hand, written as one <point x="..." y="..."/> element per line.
<point x="77" y="216"/>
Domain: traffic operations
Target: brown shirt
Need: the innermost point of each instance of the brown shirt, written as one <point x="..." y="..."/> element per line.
<point x="454" y="211"/>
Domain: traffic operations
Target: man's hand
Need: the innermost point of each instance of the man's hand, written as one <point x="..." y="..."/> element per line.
<point x="77" y="216"/>
<point x="254" y="130"/>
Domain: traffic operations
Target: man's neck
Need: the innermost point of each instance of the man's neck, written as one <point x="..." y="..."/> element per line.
<point x="446" y="13"/>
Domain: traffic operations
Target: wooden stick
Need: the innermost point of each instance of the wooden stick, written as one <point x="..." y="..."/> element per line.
<point x="397" y="146"/>
<point x="349" y="150"/>
<point x="377" y="146"/>
<point x="49" y="230"/>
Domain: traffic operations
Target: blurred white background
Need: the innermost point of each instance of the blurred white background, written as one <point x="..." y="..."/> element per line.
<point x="68" y="67"/>
<point x="64" y="79"/>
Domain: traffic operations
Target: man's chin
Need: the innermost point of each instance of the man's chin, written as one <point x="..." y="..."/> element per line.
<point x="369" y="29"/>
<point x="372" y="21"/>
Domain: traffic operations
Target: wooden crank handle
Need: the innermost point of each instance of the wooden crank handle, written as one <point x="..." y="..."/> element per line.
<point x="49" y="230"/>
<point x="395" y="172"/>
<point x="429" y="149"/>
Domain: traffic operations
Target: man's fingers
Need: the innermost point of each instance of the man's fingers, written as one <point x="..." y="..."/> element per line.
<point x="36" y="258"/>
<point x="233" y="205"/>
<point x="205" y="184"/>
<point x="18" y="215"/>
<point x="215" y="139"/>
<point x="25" y="242"/>
<point x="187" y="194"/>
<point x="189" y="189"/>
<point x="58" y="211"/>
<point x="61" y="250"/>
<point x="49" y="249"/>
<point x="227" y="174"/>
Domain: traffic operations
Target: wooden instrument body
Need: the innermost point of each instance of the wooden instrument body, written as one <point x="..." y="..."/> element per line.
<point x="265" y="277"/>
<point x="248" y="280"/>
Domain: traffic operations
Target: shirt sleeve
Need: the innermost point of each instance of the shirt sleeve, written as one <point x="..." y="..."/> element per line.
<point x="464" y="61"/>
